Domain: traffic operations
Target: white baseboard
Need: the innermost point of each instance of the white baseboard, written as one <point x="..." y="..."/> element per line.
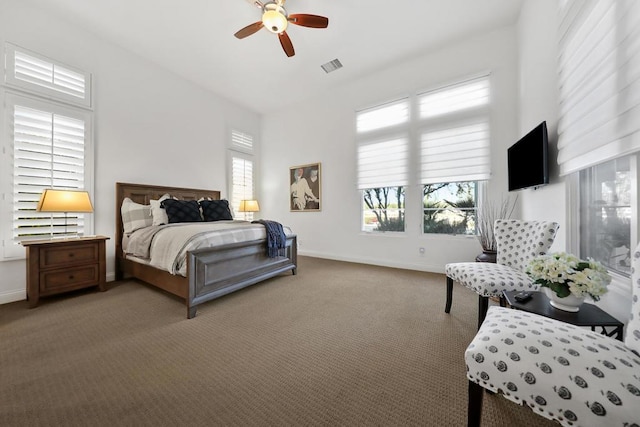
<point x="419" y="266"/>
<point x="13" y="296"/>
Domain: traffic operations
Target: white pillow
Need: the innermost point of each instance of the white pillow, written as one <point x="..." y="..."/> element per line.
<point x="134" y="215"/>
<point x="158" y="213"/>
<point x="632" y="339"/>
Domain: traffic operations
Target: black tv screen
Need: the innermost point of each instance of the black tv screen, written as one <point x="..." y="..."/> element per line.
<point x="527" y="160"/>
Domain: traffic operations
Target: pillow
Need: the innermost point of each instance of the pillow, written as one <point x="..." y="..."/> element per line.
<point x="157" y="212"/>
<point x="215" y="210"/>
<point x="182" y="210"/>
<point x="135" y="216"/>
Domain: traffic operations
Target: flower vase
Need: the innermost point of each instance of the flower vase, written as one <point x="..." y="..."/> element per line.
<point x="570" y="303"/>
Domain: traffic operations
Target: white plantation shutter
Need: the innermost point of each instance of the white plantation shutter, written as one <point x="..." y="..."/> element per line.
<point x="242" y="181"/>
<point x="48" y="152"/>
<point x="455" y="136"/>
<point x="599" y="73"/>
<point x="241" y="163"/>
<point x="241" y="140"/>
<point x="383" y="163"/>
<point x="455" y="154"/>
<point x="36" y="73"/>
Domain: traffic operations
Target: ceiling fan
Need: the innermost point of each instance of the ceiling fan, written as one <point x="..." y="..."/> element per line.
<point x="275" y="19"/>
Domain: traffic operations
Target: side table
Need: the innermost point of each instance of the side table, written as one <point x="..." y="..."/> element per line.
<point x="55" y="266"/>
<point x="589" y="314"/>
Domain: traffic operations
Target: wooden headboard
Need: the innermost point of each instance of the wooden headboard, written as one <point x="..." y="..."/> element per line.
<point x="142" y="193"/>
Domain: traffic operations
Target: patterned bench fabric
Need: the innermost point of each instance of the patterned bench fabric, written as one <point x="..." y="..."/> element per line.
<point x="632" y="338"/>
<point x="489" y="279"/>
<point x="563" y="372"/>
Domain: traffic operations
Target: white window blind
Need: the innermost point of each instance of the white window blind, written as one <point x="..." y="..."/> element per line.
<point x="454" y="98"/>
<point x="455" y="154"/>
<point x="383" y="145"/>
<point x="455" y="138"/>
<point x="48" y="151"/>
<point x="241" y="181"/>
<point x="43" y="76"/>
<point x="383" y="163"/>
<point x="241" y="140"/>
<point x="599" y="73"/>
<point x="383" y="116"/>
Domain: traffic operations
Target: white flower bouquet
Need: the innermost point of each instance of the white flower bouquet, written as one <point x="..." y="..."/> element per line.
<point x="567" y="274"/>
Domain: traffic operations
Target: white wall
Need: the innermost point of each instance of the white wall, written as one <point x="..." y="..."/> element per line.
<point x="322" y="130"/>
<point x="150" y="126"/>
<point x="538" y="101"/>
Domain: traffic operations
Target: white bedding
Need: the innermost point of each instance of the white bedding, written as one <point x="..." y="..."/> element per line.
<point x="166" y="246"/>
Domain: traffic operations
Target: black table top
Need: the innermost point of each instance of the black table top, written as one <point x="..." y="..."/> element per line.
<point x="589" y="314"/>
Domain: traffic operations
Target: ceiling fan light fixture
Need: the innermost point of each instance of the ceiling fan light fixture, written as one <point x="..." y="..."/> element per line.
<point x="274" y="21"/>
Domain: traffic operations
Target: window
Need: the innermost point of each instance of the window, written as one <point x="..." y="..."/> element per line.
<point x="606" y="213"/>
<point x="242" y="172"/>
<point x="450" y="208"/>
<point x="452" y="139"/>
<point x="454" y="154"/>
<point x="599" y="126"/>
<point x="383" y="165"/>
<point x="46" y="144"/>
<point x="38" y="74"/>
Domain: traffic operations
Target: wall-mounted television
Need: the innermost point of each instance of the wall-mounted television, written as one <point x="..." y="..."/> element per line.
<point x="528" y="160"/>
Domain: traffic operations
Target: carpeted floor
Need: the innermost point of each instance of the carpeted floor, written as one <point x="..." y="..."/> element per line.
<point x="338" y="344"/>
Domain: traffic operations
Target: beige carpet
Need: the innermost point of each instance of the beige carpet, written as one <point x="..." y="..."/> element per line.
<point x="338" y="344"/>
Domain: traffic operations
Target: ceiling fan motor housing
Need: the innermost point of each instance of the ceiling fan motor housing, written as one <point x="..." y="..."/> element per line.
<point x="275" y="18"/>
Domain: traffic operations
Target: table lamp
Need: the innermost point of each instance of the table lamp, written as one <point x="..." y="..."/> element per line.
<point x="64" y="201"/>
<point x="249" y="206"/>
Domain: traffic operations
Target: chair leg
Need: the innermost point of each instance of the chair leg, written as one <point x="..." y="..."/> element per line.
<point x="503" y="301"/>
<point x="474" y="406"/>
<point x="447" y="307"/>
<point x="483" y="306"/>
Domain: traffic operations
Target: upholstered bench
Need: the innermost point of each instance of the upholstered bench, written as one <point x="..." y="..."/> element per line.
<point x="562" y="372"/>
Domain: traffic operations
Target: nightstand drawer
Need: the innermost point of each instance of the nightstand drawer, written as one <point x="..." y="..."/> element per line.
<point x="63" y="255"/>
<point x="55" y="280"/>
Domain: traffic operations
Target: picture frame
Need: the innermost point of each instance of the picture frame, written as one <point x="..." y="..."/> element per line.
<point x="305" y="188"/>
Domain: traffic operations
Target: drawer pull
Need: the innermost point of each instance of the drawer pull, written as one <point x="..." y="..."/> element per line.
<point x="70" y="254"/>
<point x="71" y="277"/>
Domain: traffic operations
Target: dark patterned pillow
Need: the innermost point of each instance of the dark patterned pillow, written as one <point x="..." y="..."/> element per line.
<point x="215" y="210"/>
<point x="182" y="210"/>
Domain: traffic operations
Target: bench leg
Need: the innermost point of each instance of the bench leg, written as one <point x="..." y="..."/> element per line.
<point x="474" y="406"/>
<point x="483" y="306"/>
<point x="447" y="307"/>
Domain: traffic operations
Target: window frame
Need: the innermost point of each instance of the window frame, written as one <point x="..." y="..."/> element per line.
<point x="11" y="249"/>
<point x="246" y="152"/>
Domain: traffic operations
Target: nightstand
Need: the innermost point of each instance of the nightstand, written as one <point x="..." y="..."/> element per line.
<point x="61" y="265"/>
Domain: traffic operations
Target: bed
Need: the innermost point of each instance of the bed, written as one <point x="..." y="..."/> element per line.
<point x="210" y="272"/>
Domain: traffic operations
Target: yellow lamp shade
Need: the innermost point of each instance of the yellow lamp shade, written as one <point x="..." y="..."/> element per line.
<point x="64" y="201"/>
<point x="274" y="21"/>
<point x="249" y="206"/>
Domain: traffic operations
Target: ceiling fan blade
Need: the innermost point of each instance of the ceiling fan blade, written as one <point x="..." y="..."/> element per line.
<point x="285" y="41"/>
<point x="249" y="29"/>
<point x="256" y="3"/>
<point x="306" y="20"/>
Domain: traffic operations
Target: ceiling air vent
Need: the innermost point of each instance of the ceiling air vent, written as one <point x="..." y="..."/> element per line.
<point x="331" y="66"/>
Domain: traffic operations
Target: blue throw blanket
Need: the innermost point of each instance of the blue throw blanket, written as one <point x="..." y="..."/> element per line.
<point x="276" y="239"/>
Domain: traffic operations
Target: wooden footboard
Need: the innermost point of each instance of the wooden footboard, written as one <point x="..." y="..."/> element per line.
<point x="216" y="272"/>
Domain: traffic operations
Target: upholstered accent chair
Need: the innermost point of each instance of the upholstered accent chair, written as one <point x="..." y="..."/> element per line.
<point x="563" y="372"/>
<point x="518" y="242"/>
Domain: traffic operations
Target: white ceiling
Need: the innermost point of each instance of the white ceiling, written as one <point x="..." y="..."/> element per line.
<point x="194" y="38"/>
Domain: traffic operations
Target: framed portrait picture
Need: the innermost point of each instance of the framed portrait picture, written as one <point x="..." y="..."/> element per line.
<point x="305" y="188"/>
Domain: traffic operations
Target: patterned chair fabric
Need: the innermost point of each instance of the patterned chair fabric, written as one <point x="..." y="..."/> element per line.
<point x="518" y="242"/>
<point x="562" y="372"/>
